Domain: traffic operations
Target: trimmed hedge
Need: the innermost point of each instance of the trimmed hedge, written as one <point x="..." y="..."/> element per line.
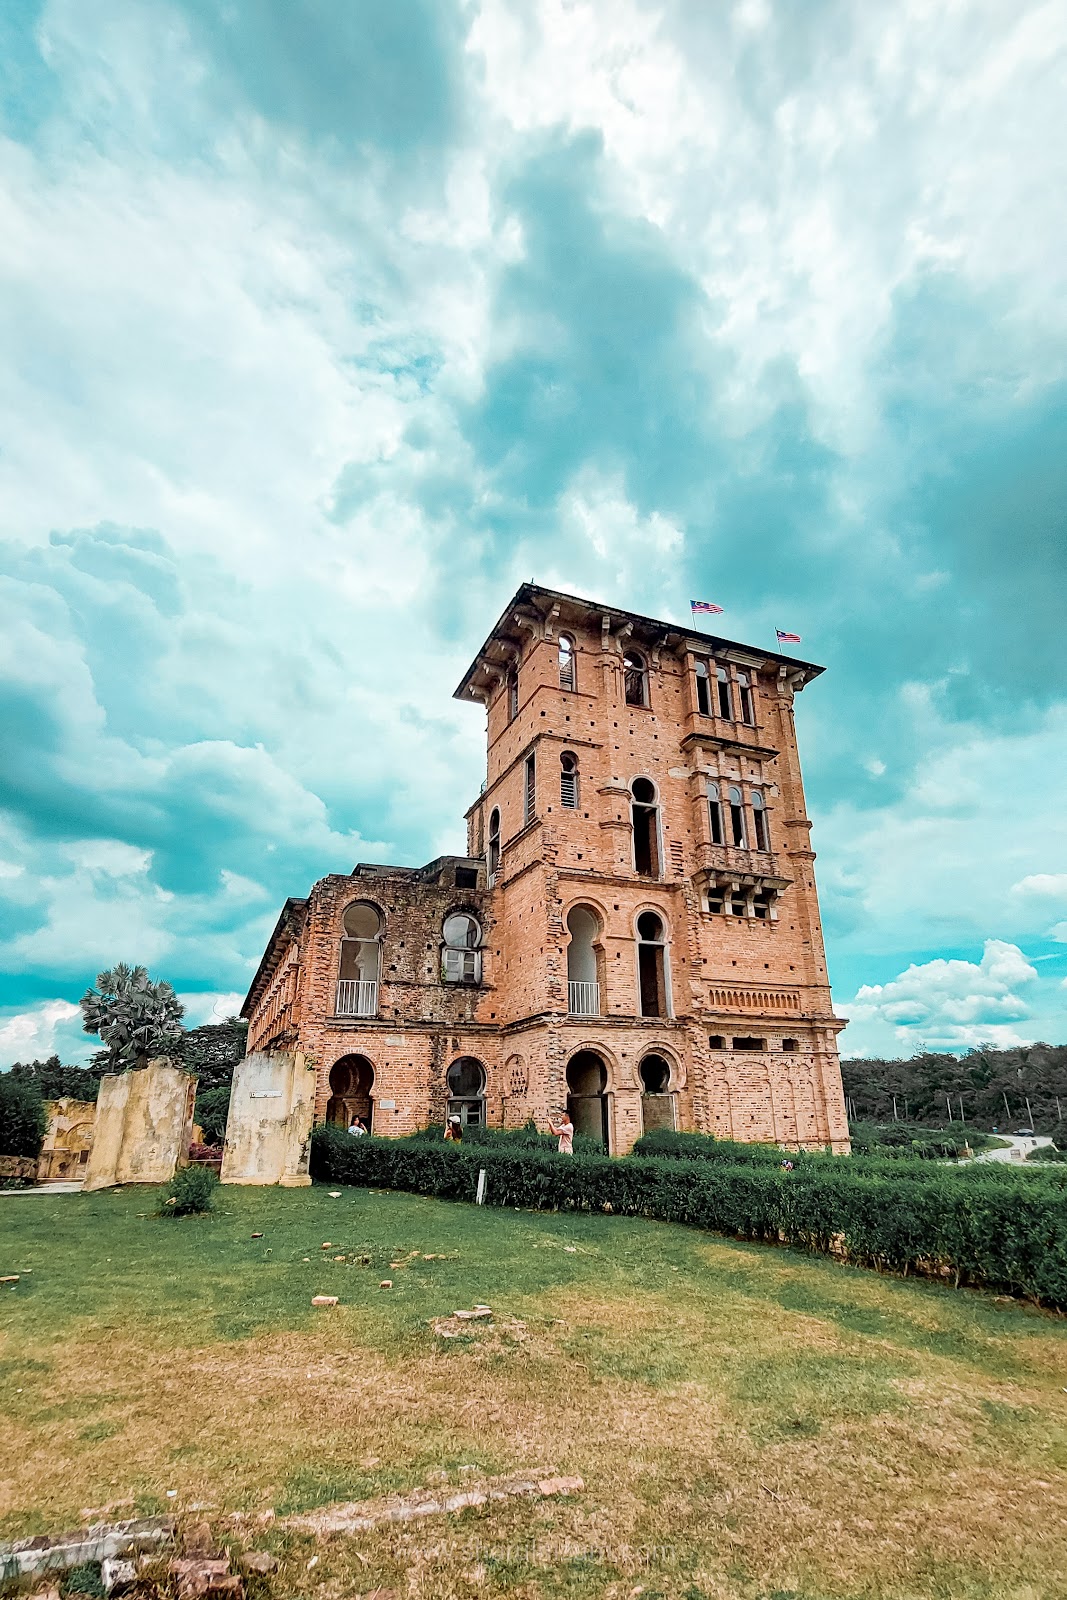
<point x="1011" y="1237"/>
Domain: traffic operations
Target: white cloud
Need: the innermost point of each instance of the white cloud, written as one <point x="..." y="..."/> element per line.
<point x="40" y="1031"/>
<point x="209" y="1007"/>
<point x="949" y="1004"/>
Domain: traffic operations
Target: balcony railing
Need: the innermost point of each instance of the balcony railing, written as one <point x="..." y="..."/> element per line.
<point x="729" y="859"/>
<point x="356" y="998"/>
<point x="583" y="999"/>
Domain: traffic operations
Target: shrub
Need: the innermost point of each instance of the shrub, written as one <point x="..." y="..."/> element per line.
<point x="984" y="1231"/>
<point x="528" y="1137"/>
<point x="84" y="1580"/>
<point x="22" y="1118"/>
<point x="1046" y="1153"/>
<point x="191" y="1191"/>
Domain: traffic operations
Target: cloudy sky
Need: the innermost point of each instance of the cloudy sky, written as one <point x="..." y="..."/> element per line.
<point x="324" y="323"/>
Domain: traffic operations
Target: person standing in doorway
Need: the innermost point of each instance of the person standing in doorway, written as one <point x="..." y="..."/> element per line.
<point x="565" y="1132"/>
<point x="357" y="1127"/>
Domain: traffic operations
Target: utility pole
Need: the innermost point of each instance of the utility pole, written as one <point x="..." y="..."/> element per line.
<point x="962" y="1117"/>
<point x="1059" y="1113"/>
<point x="1007" y="1107"/>
<point x="948" y="1102"/>
<point x="1029" y="1113"/>
<point x="895" y="1118"/>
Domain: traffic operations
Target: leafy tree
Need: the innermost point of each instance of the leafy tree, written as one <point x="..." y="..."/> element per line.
<point x="212" y="1051"/>
<point x="212" y="1109"/>
<point x="995" y="1086"/>
<point x="22" y="1118"/>
<point x="135" y="1017"/>
<point x="53" y="1081"/>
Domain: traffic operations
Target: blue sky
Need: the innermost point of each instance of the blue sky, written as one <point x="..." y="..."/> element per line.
<point x="325" y="324"/>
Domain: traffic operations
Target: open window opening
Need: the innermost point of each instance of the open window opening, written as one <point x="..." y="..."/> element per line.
<point x="493" y="856"/>
<point x="722" y="689"/>
<point x="762" y="904"/>
<point x="651" y="965"/>
<point x="529" y="789"/>
<point x="715" y="813"/>
<point x="466" y="1091"/>
<point x="583" y="987"/>
<point x="790" y="1044"/>
<point x="644" y="814"/>
<point x="568" y="781"/>
<point x="761" y="831"/>
<point x="716" y="899"/>
<point x="703" y="678"/>
<point x="750" y="1044"/>
<point x="657" y="1101"/>
<point x="566" y="661"/>
<point x="744" y="692"/>
<point x="587" y="1102"/>
<point x="513" y="693"/>
<point x="737" y="819"/>
<point x="361" y="960"/>
<point x="716" y="1041"/>
<point x="635" y="677"/>
<point x="461" y="958"/>
<point x="350" y="1103"/>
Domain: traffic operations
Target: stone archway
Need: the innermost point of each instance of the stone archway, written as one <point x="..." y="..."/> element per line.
<point x="351" y="1082"/>
<point x="587" y="1101"/>
<point x="657" y="1101"/>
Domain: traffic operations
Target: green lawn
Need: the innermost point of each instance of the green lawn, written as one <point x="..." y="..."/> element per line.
<point x="748" y="1422"/>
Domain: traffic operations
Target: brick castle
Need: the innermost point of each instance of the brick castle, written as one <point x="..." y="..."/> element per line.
<point x="634" y="932"/>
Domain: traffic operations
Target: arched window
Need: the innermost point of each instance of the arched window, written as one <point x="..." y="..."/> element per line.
<point x="655" y="1073"/>
<point x="466" y="1090"/>
<point x="760" y="830"/>
<point x="737" y="820"/>
<point x="513" y="693"/>
<point x="351" y="1082"/>
<point x="493" y="858"/>
<point x="566" y="661"/>
<point x="703" y="687"/>
<point x="583" y="990"/>
<point x="644" y="814"/>
<point x="715" y="813"/>
<point x="461" y="959"/>
<point x="744" y="689"/>
<point x="722" y="685"/>
<point x="361" y="960"/>
<point x="635" y="676"/>
<point x="568" y="781"/>
<point x="651" y="965"/>
<point x="587" y="1103"/>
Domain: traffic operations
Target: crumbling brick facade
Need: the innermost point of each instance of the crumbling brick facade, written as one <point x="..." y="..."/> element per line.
<point x="635" y="931"/>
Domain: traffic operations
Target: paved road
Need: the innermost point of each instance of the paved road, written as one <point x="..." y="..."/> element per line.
<point x="47" y="1188"/>
<point x="1020" y="1148"/>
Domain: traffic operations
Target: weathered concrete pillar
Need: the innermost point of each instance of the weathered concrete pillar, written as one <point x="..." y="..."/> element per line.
<point x="144" y="1123"/>
<point x="268" y="1130"/>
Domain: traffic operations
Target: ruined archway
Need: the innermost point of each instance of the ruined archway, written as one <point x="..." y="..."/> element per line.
<point x="657" y="1100"/>
<point x="351" y="1082"/>
<point x="587" y="1101"/>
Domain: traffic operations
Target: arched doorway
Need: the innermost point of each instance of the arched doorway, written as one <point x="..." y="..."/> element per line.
<point x="351" y="1081"/>
<point x="587" y="1102"/>
<point x="466" y="1091"/>
<point x="657" y="1101"/>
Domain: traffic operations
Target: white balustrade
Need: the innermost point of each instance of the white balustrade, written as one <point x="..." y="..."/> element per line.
<point x="583" y="999"/>
<point x="356" y="997"/>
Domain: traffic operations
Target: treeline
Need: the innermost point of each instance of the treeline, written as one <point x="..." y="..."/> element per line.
<point x="993" y="1085"/>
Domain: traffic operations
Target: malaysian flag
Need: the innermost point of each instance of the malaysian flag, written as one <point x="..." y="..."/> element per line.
<point x="704" y="608"/>
<point x="788" y="638"/>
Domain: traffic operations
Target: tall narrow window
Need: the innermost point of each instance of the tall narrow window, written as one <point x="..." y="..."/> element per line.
<point x="722" y="686"/>
<point x="566" y="661"/>
<point x="645" y="818"/>
<point x="466" y="1091"/>
<point x="513" y="694"/>
<point x="568" y="781"/>
<point x="737" y="820"/>
<point x="651" y="973"/>
<point x="361" y="959"/>
<point x="635" y="674"/>
<point x="529" y="789"/>
<point x="461" y="958"/>
<point x="715" y="813"/>
<point x="493" y="859"/>
<point x="703" y="687"/>
<point x="583" y="988"/>
<point x="744" y="689"/>
<point x="759" y="822"/>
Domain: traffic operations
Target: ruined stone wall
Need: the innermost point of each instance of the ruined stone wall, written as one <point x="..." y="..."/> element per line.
<point x="144" y="1123"/>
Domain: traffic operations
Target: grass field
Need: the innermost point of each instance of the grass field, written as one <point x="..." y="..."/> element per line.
<point x="748" y="1422"/>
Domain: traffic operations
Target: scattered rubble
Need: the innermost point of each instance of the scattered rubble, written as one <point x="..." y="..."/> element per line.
<point x="260" y="1562"/>
<point x="118" y="1573"/>
<point x="386" y="1283"/>
<point x="324" y="1300"/>
<point x="99" y="1542"/>
<point x="362" y="1516"/>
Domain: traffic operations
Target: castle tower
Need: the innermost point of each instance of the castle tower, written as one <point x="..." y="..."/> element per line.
<point x="644" y="830"/>
<point x="634" y="932"/>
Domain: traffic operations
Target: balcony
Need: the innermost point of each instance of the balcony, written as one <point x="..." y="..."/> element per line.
<point x="727" y="862"/>
<point x="356" y="998"/>
<point x="583" y="999"/>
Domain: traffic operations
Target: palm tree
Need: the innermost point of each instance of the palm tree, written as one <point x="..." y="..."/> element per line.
<point x="134" y="1017"/>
